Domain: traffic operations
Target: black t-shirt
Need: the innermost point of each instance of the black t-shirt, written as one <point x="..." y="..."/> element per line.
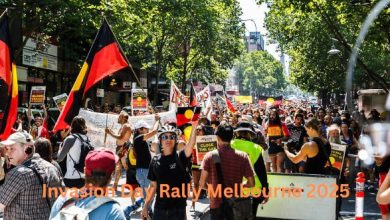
<point x="166" y="171"/>
<point x="296" y="135"/>
<point x="142" y="151"/>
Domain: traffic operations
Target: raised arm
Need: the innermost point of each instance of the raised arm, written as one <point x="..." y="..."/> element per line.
<point x="191" y="143"/>
<point x="155" y="128"/>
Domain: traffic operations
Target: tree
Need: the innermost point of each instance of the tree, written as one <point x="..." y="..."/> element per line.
<point x="177" y="39"/>
<point x="259" y="71"/>
<point x="305" y="28"/>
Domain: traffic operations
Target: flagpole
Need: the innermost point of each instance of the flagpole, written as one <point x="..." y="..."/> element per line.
<point x="128" y="62"/>
<point x="4" y="12"/>
<point x="105" y="134"/>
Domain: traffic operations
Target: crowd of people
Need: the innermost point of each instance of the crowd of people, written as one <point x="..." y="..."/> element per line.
<point x="251" y="142"/>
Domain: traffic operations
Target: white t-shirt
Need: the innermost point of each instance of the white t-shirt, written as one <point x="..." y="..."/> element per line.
<point x="74" y="153"/>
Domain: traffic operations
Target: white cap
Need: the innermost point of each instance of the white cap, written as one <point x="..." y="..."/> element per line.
<point x="141" y="124"/>
<point x="18" y="137"/>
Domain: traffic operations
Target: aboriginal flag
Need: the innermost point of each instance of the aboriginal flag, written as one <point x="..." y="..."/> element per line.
<point x="271" y="100"/>
<point x="104" y="59"/>
<point x="193" y="101"/>
<point x="8" y="82"/>
<point x="187" y="114"/>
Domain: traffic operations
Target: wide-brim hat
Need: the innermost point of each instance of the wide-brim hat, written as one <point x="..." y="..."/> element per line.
<point x="245" y="126"/>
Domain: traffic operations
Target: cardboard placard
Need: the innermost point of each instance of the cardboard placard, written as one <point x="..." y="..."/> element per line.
<point x="37" y="95"/>
<point x="139" y="99"/>
<point x="337" y="155"/>
<point x="205" y="144"/>
<point x="60" y="100"/>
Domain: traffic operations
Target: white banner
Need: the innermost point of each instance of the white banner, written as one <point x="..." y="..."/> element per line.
<point x="96" y="123"/>
<point x="176" y="98"/>
<point x="204" y="98"/>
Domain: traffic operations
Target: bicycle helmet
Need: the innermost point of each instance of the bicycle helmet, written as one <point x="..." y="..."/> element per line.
<point x="167" y="129"/>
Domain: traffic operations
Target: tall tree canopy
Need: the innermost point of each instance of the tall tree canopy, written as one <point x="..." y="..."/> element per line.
<point x="259" y="73"/>
<point x="305" y="28"/>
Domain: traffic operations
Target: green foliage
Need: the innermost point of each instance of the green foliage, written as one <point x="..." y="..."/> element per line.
<point x="179" y="39"/>
<point x="258" y="72"/>
<point x="305" y="28"/>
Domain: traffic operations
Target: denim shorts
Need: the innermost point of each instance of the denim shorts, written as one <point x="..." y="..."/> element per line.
<point x="142" y="179"/>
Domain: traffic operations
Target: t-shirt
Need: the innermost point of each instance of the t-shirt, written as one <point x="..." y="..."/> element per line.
<point x="107" y="211"/>
<point x="234" y="164"/>
<point x="275" y="132"/>
<point x="142" y="152"/>
<point x="168" y="172"/>
<point x="296" y="135"/>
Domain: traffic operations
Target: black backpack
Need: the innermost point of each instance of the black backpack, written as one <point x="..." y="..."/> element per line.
<point x="86" y="147"/>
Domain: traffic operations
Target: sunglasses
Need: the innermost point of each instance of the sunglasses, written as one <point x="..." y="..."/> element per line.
<point x="165" y="137"/>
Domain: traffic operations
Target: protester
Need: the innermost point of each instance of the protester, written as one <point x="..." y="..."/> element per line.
<point x="122" y="142"/>
<point x="243" y="141"/>
<point x="44" y="149"/>
<point x="316" y="152"/>
<point x="99" y="166"/>
<point x="142" y="151"/>
<point x="21" y="195"/>
<point x="298" y="137"/>
<point x="70" y="151"/>
<point x="169" y="169"/>
<point x="235" y="165"/>
<point x="276" y="133"/>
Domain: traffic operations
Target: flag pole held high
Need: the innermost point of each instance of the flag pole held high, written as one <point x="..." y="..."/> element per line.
<point x="104" y="59"/>
<point x="8" y="81"/>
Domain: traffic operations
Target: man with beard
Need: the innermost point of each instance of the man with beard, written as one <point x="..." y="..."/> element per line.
<point x="326" y="125"/>
<point x="334" y="137"/>
<point x="122" y="142"/>
<point x="276" y="133"/>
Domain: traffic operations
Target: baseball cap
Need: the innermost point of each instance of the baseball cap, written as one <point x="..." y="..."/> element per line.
<point x="141" y="124"/>
<point x="19" y="137"/>
<point x="100" y="160"/>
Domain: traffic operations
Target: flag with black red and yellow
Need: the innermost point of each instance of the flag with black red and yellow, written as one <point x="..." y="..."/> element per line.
<point x="105" y="58"/>
<point x="187" y="114"/>
<point x="8" y="81"/>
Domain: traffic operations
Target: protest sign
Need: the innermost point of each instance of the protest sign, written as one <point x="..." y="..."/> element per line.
<point x="337" y="155"/>
<point x="37" y="95"/>
<point x="139" y="99"/>
<point x="205" y="144"/>
<point x="96" y="123"/>
<point x="60" y="100"/>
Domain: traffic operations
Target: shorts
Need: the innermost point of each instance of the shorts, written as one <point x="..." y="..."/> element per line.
<point x="384" y="208"/>
<point x="266" y="157"/>
<point x="275" y="149"/>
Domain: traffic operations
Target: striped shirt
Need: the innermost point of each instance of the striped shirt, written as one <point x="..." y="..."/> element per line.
<point x="235" y="165"/>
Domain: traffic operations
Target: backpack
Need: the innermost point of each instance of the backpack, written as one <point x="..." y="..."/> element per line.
<point x="185" y="169"/>
<point x="86" y="147"/>
<point x="70" y="211"/>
